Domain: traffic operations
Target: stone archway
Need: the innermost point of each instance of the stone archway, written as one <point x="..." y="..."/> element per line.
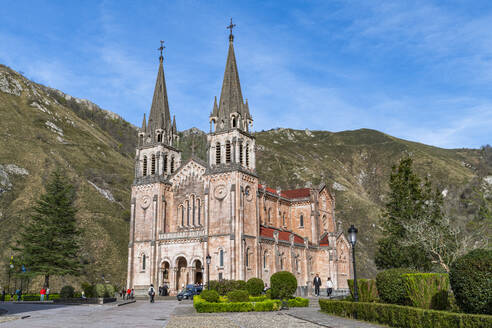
<point x="165" y="272"/>
<point x="181" y="273"/>
<point x="198" y="269"/>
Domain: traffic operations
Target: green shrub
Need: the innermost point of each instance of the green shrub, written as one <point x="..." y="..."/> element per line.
<point x="109" y="290"/>
<point x="283" y="285"/>
<point x="67" y="292"/>
<point x="203" y="306"/>
<point x="255" y="286"/>
<point x="427" y="290"/>
<point x="99" y="290"/>
<point x="88" y="289"/>
<point x="260" y="298"/>
<point x="366" y="289"/>
<point x="391" y="287"/>
<point x="298" y="302"/>
<point x="210" y="296"/>
<point x="471" y="281"/>
<point x="238" y="296"/>
<point x="268" y="293"/>
<point x="404" y="316"/>
<point x="225" y="286"/>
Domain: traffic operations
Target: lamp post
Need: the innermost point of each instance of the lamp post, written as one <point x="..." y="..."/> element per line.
<point x="352" y="231"/>
<point x="209" y="259"/>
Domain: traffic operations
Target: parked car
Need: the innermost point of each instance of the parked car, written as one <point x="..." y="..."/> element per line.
<point x="188" y="292"/>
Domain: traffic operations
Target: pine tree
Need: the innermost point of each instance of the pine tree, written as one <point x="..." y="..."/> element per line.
<point x="49" y="243"/>
<point x="409" y="201"/>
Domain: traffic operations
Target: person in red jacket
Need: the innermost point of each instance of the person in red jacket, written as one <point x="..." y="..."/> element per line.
<point x="128" y="292"/>
<point x="42" y="293"/>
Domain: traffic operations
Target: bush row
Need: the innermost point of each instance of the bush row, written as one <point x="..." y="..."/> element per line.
<point x="298" y="302"/>
<point x="31" y="297"/>
<point x="427" y="290"/>
<point x="404" y="316"/>
<point x="203" y="306"/>
<point x="366" y="289"/>
<point x="225" y="286"/>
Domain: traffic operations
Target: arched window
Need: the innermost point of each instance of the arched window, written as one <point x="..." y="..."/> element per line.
<point x="199" y="204"/>
<point x="217" y="153"/>
<point x="297" y="263"/>
<point x="188" y="213"/>
<point x="234" y="122"/>
<point x="152" y="169"/>
<point x="301" y="221"/>
<point x="164" y="164"/>
<point x="247" y="257"/>
<point x="281" y="263"/>
<point x="143" y="262"/>
<point x="159" y="137"/>
<point x="264" y="259"/>
<point x="182" y="215"/>
<point x="193" y="209"/>
<point x="221" y="258"/>
<point x="212" y="126"/>
<point x="269" y="215"/>
<point x="241" y="153"/>
<point x="247" y="156"/>
<point x="144" y="169"/>
<point x="283" y="219"/>
<point x="172" y="165"/>
<point x="228" y="151"/>
<point x="141" y="140"/>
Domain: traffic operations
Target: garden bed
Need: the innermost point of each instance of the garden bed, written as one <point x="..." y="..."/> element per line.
<point x="265" y="305"/>
<point x="403" y="316"/>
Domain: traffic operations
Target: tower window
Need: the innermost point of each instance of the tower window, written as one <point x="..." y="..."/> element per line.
<point x="301" y="221"/>
<point x="269" y="215"/>
<point x="172" y="164"/>
<point x="143" y="262"/>
<point x="159" y="137"/>
<point x="247" y="257"/>
<point x="152" y="170"/>
<point x="264" y="259"/>
<point x="141" y="140"/>
<point x="193" y="209"/>
<point x="221" y="258"/>
<point x="188" y="213"/>
<point x="247" y="156"/>
<point x="217" y="153"/>
<point x="164" y="164"/>
<point x="233" y="122"/>
<point x="283" y="219"/>
<point x="199" y="204"/>
<point x="144" y="168"/>
<point x="281" y="263"/>
<point x="241" y="154"/>
<point x="182" y="216"/>
<point x="228" y="151"/>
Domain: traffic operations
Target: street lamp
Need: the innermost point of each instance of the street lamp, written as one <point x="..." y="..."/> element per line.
<point x="352" y="231"/>
<point x="209" y="259"/>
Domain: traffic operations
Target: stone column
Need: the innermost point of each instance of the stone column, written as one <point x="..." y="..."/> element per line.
<point x="129" y="279"/>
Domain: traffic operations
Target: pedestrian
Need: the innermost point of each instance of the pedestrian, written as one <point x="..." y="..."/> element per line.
<point x="317" y="284"/>
<point x="3" y="295"/>
<point x="128" y="292"/>
<point x="160" y="290"/>
<point x="82" y="294"/>
<point x="19" y="294"/>
<point x="164" y="289"/>
<point x="42" y="293"/>
<point x="12" y="296"/>
<point x="132" y="294"/>
<point x="329" y="287"/>
<point x="48" y="294"/>
<point x="151" y="293"/>
<point x="123" y="293"/>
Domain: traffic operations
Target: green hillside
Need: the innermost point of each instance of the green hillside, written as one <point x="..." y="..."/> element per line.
<point x="41" y="128"/>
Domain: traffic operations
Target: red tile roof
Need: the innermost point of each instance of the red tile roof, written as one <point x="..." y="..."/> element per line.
<point x="291" y="194"/>
<point x="324" y="241"/>
<point x="282" y="235"/>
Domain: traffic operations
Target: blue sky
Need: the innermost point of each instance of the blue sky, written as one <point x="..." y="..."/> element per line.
<point x="418" y="70"/>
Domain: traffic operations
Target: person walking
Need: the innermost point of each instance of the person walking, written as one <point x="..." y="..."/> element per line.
<point x="317" y="284"/>
<point x="132" y="293"/>
<point x="128" y="292"/>
<point x="42" y="293"/>
<point x="329" y="287"/>
<point x="48" y="294"/>
<point x="19" y="294"/>
<point x="151" y="293"/>
<point x="123" y="293"/>
<point x="3" y="295"/>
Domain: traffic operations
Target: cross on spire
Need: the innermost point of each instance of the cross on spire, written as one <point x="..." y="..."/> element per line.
<point x="230" y="27"/>
<point x="161" y="48"/>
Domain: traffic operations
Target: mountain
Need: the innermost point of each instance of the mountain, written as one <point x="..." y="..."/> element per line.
<point x="41" y="128"/>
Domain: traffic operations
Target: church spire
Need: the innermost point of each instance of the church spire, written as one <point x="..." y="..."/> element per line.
<point x="144" y="125"/>
<point x="159" y="117"/>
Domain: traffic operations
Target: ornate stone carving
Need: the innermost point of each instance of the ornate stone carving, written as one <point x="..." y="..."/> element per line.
<point x="145" y="202"/>
<point x="220" y="191"/>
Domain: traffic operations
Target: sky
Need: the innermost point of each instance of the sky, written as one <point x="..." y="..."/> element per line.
<point x="417" y="70"/>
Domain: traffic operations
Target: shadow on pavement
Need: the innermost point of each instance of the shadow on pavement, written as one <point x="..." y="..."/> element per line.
<point x="13" y="308"/>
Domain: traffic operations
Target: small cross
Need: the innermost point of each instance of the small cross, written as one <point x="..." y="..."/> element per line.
<point x="161" y="47"/>
<point x="231" y="27"/>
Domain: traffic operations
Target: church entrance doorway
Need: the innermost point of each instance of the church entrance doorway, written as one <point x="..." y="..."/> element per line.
<point x="198" y="272"/>
<point x="182" y="273"/>
<point x="165" y="272"/>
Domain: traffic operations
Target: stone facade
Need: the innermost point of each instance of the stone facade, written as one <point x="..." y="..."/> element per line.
<point x="182" y="212"/>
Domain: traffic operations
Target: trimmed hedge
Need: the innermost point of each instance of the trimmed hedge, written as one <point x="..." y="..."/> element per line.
<point x="391" y="287"/>
<point x="203" y="306"/>
<point x="366" y="289"/>
<point x="103" y="290"/>
<point x="257" y="298"/>
<point x="225" y="286"/>
<point x="298" y="302"/>
<point x="471" y="281"/>
<point x="210" y="295"/>
<point x="255" y="286"/>
<point x="404" y="316"/>
<point x="428" y="290"/>
<point x="283" y="285"/>
<point x="67" y="292"/>
<point x="238" y="296"/>
<point x="32" y="297"/>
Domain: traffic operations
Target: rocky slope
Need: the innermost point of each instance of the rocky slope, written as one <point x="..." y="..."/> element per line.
<point x="41" y="128"/>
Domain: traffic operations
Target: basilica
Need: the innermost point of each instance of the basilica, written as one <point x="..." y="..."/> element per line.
<point x="183" y="211"/>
